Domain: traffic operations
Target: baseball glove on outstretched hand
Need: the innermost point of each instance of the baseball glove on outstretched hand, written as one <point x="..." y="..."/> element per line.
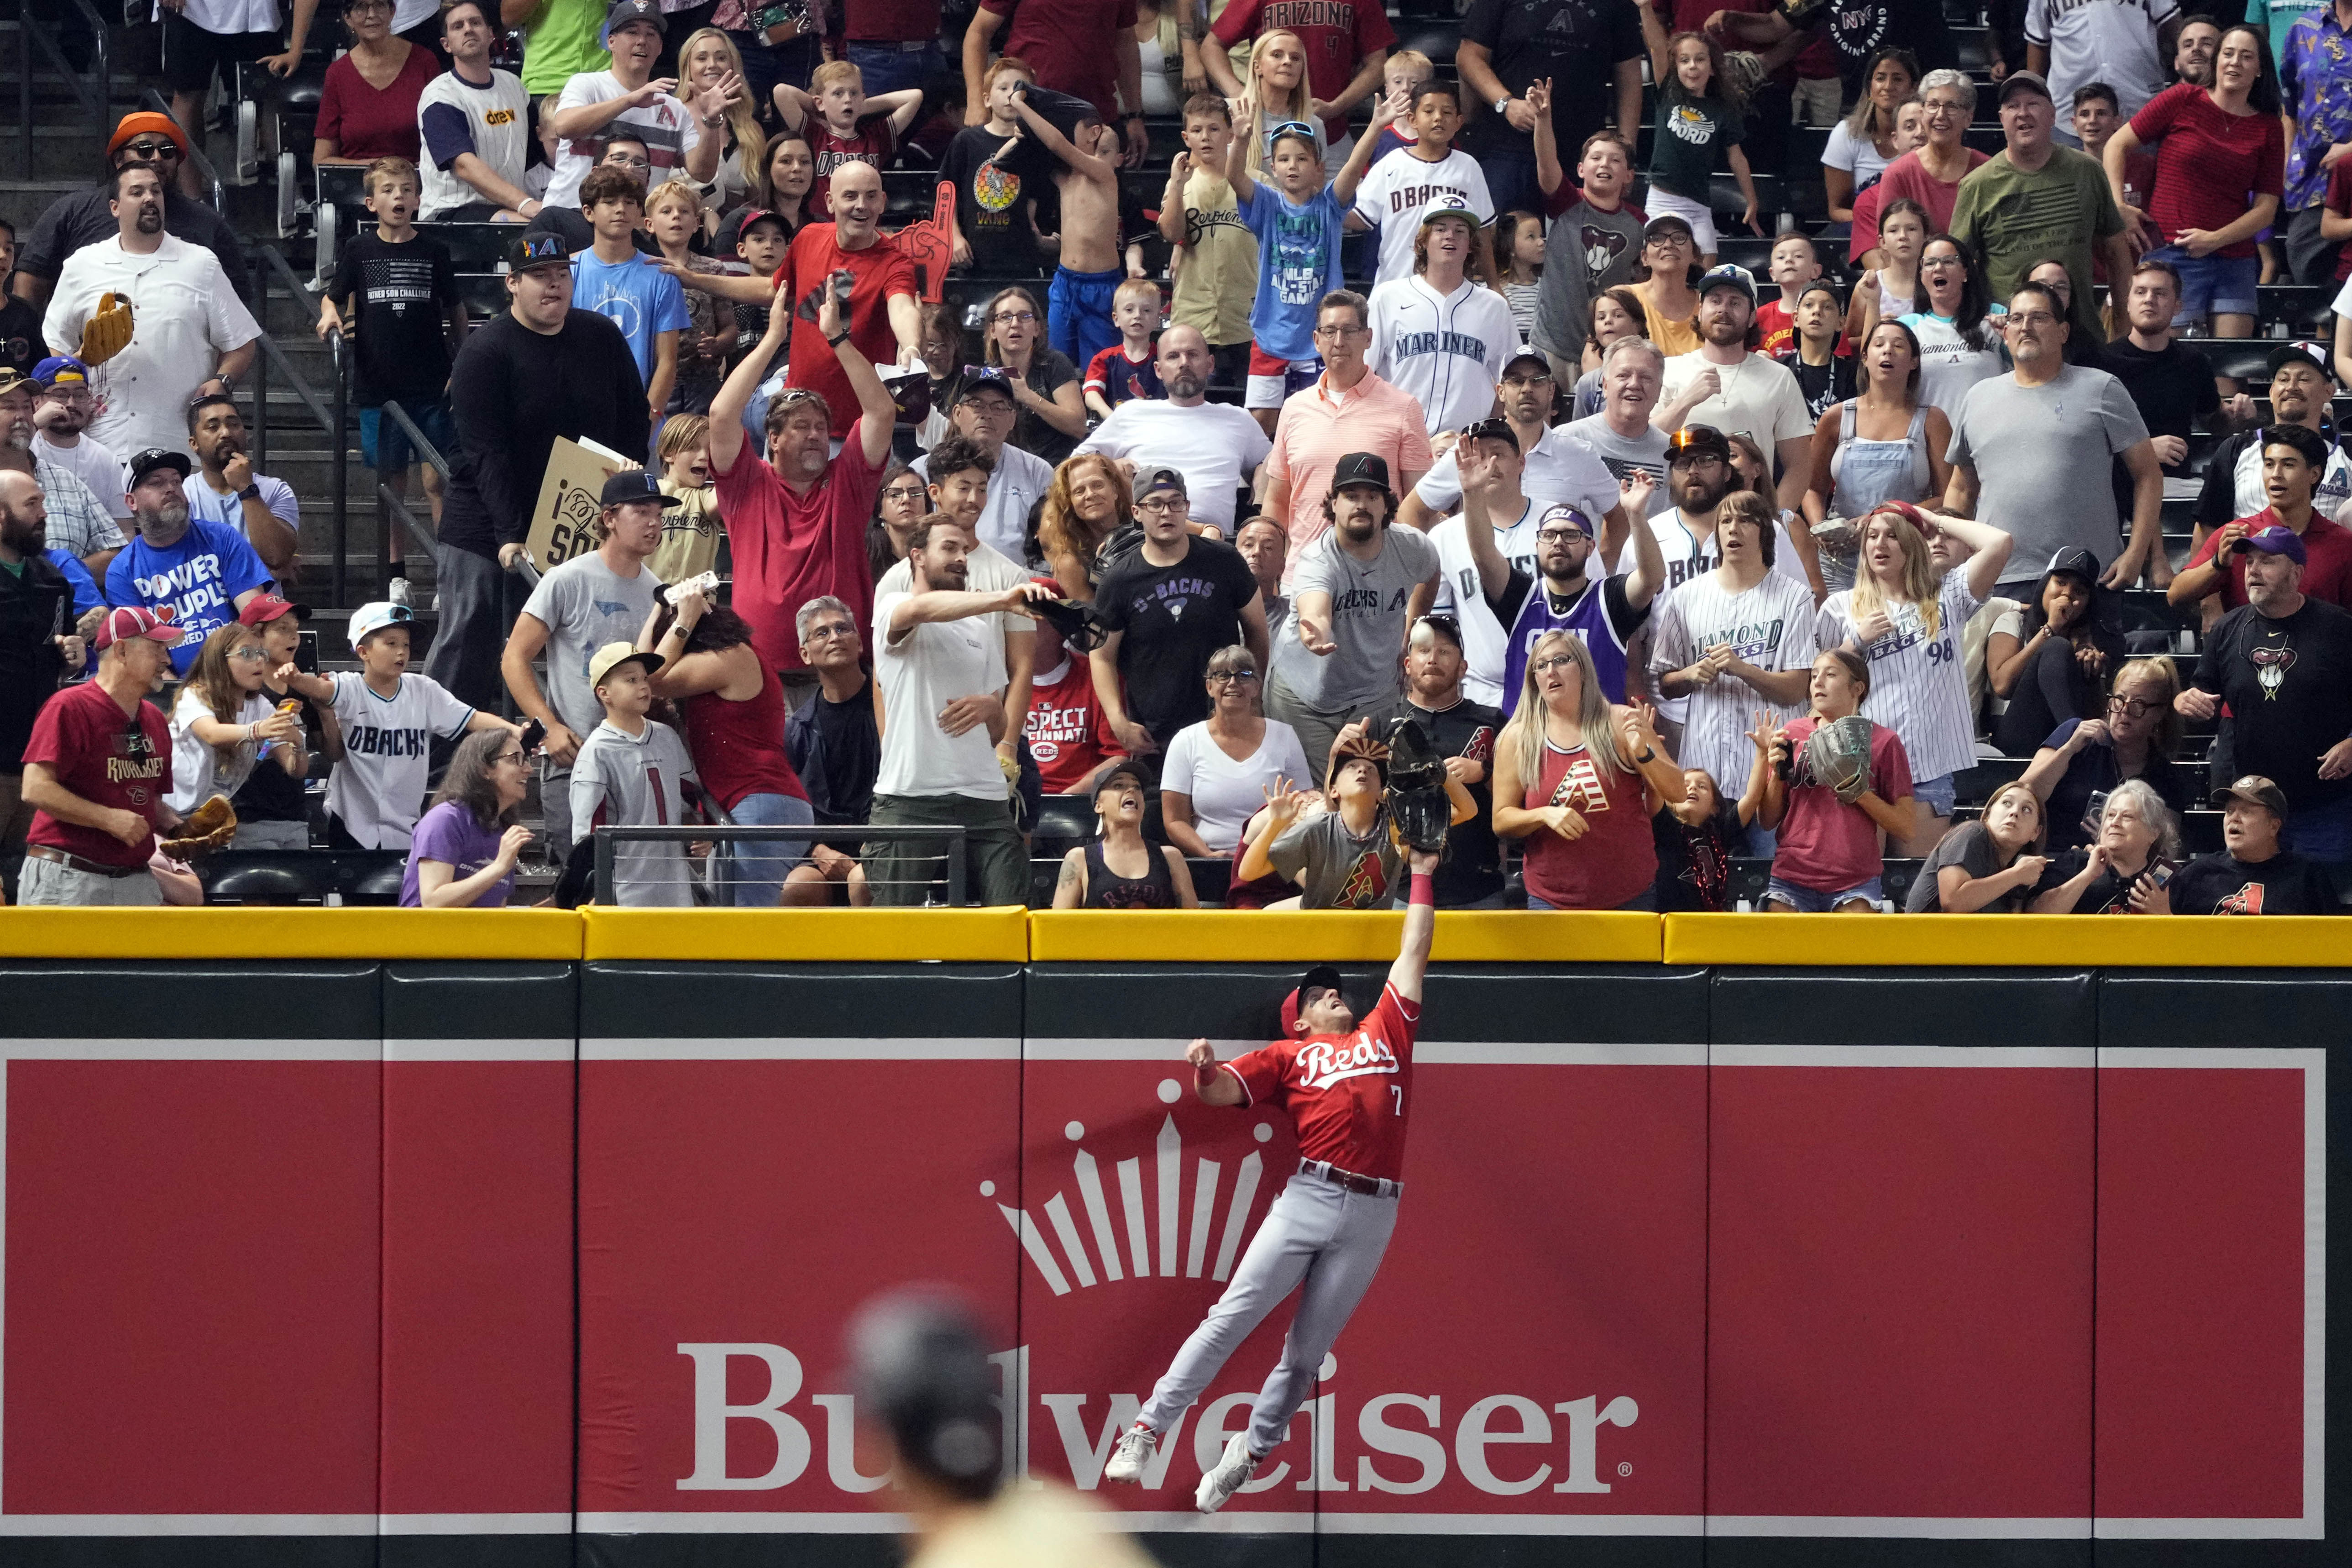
<point x="209" y="828"/>
<point x="1837" y="757"/>
<point x="108" y="332"/>
<point x="1418" y="804"/>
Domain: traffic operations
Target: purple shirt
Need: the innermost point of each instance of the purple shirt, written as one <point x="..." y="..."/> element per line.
<point x="449" y="833"/>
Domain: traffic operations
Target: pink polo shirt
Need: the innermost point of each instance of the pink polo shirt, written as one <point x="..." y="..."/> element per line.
<point x="1319" y="426"/>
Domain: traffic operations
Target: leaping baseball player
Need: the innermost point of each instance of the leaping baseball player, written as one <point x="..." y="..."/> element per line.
<point x="1345" y="1088"/>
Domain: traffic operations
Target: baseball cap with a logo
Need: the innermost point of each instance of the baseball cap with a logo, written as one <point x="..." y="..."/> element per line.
<point x="1730" y="274"/>
<point x="264" y="608"/>
<point x="2254" y="790"/>
<point x="526" y="252"/>
<point x="61" y="370"/>
<point x="128" y="621"/>
<point x="614" y="655"/>
<point x="2277" y="541"/>
<point x="1447" y="204"/>
<point x="2301" y="351"/>
<point x="1322" y="977"/>
<point x="634" y="484"/>
<point x="628" y="11"/>
<point x="370" y="618"/>
<point x="145" y="463"/>
<point x="1360" y="468"/>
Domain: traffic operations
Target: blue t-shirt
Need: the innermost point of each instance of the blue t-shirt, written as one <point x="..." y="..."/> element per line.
<point x="1298" y="264"/>
<point x="635" y="296"/>
<point x="200" y="578"/>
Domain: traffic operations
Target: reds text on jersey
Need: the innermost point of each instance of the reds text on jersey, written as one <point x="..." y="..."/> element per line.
<point x="1345" y="1094"/>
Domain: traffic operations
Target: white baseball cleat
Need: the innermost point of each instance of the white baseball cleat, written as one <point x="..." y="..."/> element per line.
<point x="1227" y="1477"/>
<point x="1135" y="1446"/>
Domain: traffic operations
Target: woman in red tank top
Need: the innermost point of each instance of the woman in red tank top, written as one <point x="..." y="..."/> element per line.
<point x="732" y="711"/>
<point x="1579" y="778"/>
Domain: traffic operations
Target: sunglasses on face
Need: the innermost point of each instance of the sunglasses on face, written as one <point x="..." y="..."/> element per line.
<point x="151" y="148"/>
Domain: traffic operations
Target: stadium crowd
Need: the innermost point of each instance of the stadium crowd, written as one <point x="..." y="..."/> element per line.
<point x="1674" y="566"/>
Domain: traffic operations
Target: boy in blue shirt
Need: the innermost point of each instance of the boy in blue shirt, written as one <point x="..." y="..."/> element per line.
<point x="204" y="571"/>
<point x="1298" y="223"/>
<point x="626" y="287"/>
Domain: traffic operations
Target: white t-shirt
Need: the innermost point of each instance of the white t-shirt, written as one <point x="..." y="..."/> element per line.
<point x="210" y="504"/>
<point x="666" y="125"/>
<point x="1559" y="468"/>
<point x="92" y="462"/>
<point x="1215" y="447"/>
<point x="1770" y="625"/>
<point x="228" y="17"/>
<point x="1760" y="399"/>
<point x="2112" y="41"/>
<point x="455" y="117"/>
<point x="1445" y="351"/>
<point x="986" y="570"/>
<point x="1948" y="366"/>
<point x="1019" y="483"/>
<point x="920" y="674"/>
<point x="1225" y="794"/>
<point x="1858" y="155"/>
<point x="184" y="317"/>
<point x="377" y="791"/>
<point x="1918" y="687"/>
<point x="1484" y="640"/>
<point x="1391" y="196"/>
<point x="198" y="771"/>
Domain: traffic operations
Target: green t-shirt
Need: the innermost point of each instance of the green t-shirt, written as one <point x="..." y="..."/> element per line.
<point x="2059" y="213"/>
<point x="561" y="42"/>
<point x="1692" y="134"/>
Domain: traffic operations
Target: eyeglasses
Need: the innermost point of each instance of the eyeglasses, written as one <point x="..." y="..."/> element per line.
<point x="1231" y="676"/>
<point x="1927" y="261"/>
<point x="1546" y="665"/>
<point x="1938" y="107"/>
<point x="904" y="492"/>
<point x="2130" y="707"/>
<point x="248" y="655"/>
<point x="1014" y="317"/>
<point x="367" y="7"/>
<point x="1338" y="330"/>
<point x="146" y="149"/>
<point x="1559" y="535"/>
<point x="2032" y="319"/>
<point x="629" y="163"/>
<point x="825" y="631"/>
<point x="1164" y="506"/>
<point x="515" y="757"/>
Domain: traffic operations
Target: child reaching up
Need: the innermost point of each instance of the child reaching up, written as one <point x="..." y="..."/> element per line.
<point x="1078" y="305"/>
<point x="1394" y="193"/>
<point x="1700" y="115"/>
<point x="1129" y="368"/>
<point x="844" y="126"/>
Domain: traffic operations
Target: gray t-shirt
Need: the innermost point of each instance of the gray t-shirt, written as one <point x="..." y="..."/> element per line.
<point x="1367" y="601"/>
<point x="1969" y="847"/>
<point x="621" y="780"/>
<point x="1588" y="250"/>
<point x="2049" y="486"/>
<point x="584" y="607"/>
<point x="1625" y="455"/>
<point x="1334" y="868"/>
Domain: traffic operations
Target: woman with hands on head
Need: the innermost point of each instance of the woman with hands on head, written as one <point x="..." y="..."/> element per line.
<point x="463" y="853"/>
<point x="1991" y="865"/>
<point x="2125" y="869"/>
<point x="1827" y="859"/>
<point x="1579" y="777"/>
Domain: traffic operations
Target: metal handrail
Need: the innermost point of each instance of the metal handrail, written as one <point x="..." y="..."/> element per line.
<point x="152" y="100"/>
<point x="336" y="425"/>
<point x="32" y="30"/>
<point x="956" y="835"/>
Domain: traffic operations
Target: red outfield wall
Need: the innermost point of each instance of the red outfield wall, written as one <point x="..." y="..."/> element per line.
<point x="1670" y="1280"/>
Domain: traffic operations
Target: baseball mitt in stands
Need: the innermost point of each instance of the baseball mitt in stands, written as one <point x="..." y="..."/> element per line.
<point x="107" y="332"/>
<point x="1837" y="757"/>
<point x="209" y="828"/>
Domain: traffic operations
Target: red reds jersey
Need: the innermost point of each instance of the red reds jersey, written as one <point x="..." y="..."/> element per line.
<point x="1344" y="1093"/>
<point x="1069" y="733"/>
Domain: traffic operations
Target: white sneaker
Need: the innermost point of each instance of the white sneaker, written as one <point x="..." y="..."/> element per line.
<point x="1135" y="1447"/>
<point x="399" y="592"/>
<point x="1228" y="1477"/>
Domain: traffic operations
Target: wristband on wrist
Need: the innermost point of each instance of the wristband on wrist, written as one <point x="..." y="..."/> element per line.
<point x="836" y="342"/>
<point x="1424" y="890"/>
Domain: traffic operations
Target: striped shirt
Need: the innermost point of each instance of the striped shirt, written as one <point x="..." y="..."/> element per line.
<point x="1770" y="625"/>
<point x="1917" y="687"/>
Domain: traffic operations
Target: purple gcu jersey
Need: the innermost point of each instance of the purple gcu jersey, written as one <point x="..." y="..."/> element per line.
<point x="1587" y="618"/>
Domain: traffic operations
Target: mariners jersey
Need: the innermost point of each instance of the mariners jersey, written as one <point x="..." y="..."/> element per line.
<point x="1345" y="1094"/>
<point x="1446" y="350"/>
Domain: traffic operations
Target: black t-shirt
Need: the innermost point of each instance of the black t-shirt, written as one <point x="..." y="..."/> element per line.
<point x="2094" y="772"/>
<point x="1472" y="868"/>
<point x="21" y="347"/>
<point x="1822" y="384"/>
<point x="269" y="792"/>
<point x="2222" y="884"/>
<point x="1575" y="43"/>
<point x="1694" y="863"/>
<point x="850" y="757"/>
<point x="404" y="292"/>
<point x="990" y="197"/>
<point x="1859" y="27"/>
<point x="2173" y="389"/>
<point x="1050" y="370"/>
<point x="2288" y="683"/>
<point x="1174" y="618"/>
<point x="2109" y="893"/>
<point x="1970" y="848"/>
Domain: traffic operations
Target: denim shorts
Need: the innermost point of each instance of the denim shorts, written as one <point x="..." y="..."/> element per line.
<point x="384" y="446"/>
<point x="1806" y="901"/>
<point x="2211" y="285"/>
<point x="1937" y="793"/>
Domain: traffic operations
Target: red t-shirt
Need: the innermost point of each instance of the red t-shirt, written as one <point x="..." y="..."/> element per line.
<point x="881" y="270"/>
<point x="791" y="549"/>
<point x="1615" y="860"/>
<point x="2209" y="166"/>
<point x="1337" y="33"/>
<point x="1344" y="1093"/>
<point x="890" y="21"/>
<point x="2327" y="565"/>
<point x="364" y="122"/>
<point x="109" y="758"/>
<point x="1068" y="735"/>
<point x="1826" y="845"/>
<point x="873" y="142"/>
<point x="1905" y="177"/>
<point x="1070" y="44"/>
<point x="1779" y="330"/>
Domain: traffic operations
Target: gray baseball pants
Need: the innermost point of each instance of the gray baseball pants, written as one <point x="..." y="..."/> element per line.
<point x="1326" y="1236"/>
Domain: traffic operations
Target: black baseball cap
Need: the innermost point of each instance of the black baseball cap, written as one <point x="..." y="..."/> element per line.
<point x="1360" y="468"/>
<point x="1695" y="441"/>
<point x="1322" y="977"/>
<point x="2302" y="353"/>
<point x="978" y="379"/>
<point x="628" y="11"/>
<point x="154" y="458"/>
<point x="538" y="248"/>
<point x="1160" y="478"/>
<point x="635" y="484"/>
<point x="1493" y="430"/>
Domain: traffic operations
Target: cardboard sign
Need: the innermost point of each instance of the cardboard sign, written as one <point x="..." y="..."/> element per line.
<point x="564" y="519"/>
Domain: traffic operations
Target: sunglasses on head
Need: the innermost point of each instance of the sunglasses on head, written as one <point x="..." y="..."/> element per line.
<point x="1288" y="127"/>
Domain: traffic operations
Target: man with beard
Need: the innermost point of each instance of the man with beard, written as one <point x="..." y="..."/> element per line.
<point x="262" y="508"/>
<point x="1605" y="612"/>
<point x="1558" y="468"/>
<point x="1724" y="385"/>
<point x="1470" y="877"/>
<point x="2198" y="40"/>
<point x="1510" y="513"/>
<point x="143" y="140"/>
<point x="941" y="672"/>
<point x="77" y="520"/>
<point x="203" y="573"/>
<point x="796" y="518"/>
<point x="190" y="333"/>
<point x="1350" y="590"/>
<point x="97" y="769"/>
<point x="63" y="406"/>
<point x="1216" y="446"/>
<point x="2302" y="388"/>
<point x="38" y="645"/>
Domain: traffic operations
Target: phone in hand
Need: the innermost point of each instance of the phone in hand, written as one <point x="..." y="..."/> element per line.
<point x="534" y="737"/>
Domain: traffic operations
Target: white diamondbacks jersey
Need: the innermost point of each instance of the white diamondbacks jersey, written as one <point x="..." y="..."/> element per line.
<point x="1483" y="639"/>
<point x="1395" y="189"/>
<point x="1559" y="467"/>
<point x="1446" y="351"/>
<point x="1770" y="625"/>
<point x="377" y="791"/>
<point x="1917" y="687"/>
<point x="1687" y="560"/>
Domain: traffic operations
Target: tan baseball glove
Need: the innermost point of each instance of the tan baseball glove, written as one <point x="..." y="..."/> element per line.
<point x="209" y="828"/>
<point x="107" y="332"/>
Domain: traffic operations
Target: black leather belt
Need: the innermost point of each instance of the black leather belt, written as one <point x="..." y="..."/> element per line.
<point x="1370" y="1186"/>
<point x="76" y="863"/>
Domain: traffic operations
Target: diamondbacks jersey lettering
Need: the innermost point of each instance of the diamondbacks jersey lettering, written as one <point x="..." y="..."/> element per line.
<point x="1770" y="625"/>
<point x="1346" y="1095"/>
<point x="1393" y="193"/>
<point x="1446" y="351"/>
<point x="377" y="791"/>
<point x="1458" y="593"/>
<point x="1917" y="687"/>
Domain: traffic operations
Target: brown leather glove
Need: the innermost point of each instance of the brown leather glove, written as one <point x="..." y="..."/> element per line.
<point x="209" y="828"/>
<point x="107" y="332"/>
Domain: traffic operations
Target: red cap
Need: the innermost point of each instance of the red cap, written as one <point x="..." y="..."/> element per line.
<point x="264" y="608"/>
<point x="138" y="621"/>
